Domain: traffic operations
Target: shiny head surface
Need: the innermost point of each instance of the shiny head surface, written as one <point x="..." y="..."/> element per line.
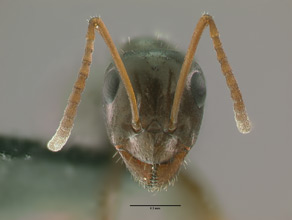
<point x="154" y="154"/>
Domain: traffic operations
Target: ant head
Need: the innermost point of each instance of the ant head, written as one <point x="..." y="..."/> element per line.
<point x="153" y="117"/>
<point x="153" y="154"/>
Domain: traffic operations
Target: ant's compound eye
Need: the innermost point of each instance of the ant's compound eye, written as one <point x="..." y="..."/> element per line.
<point x="111" y="85"/>
<point x="198" y="88"/>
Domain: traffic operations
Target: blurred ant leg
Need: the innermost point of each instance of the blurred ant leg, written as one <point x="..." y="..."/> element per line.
<point x="205" y="202"/>
<point x="241" y="118"/>
<point x="64" y="130"/>
<point x="109" y="195"/>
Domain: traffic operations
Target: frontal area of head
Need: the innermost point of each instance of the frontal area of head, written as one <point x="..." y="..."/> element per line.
<point x="153" y="155"/>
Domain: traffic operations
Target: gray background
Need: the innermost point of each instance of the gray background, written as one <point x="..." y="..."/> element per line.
<point x="41" y="45"/>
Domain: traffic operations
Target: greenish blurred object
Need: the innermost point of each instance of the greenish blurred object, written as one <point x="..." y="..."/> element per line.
<point x="84" y="184"/>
